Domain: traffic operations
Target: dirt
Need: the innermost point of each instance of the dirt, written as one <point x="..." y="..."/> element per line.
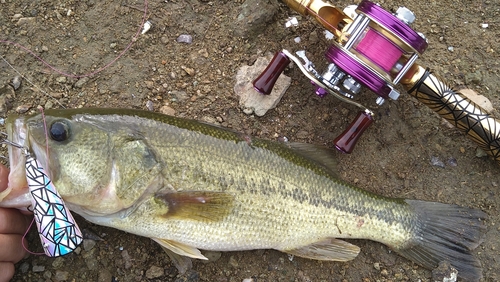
<point x="196" y="81"/>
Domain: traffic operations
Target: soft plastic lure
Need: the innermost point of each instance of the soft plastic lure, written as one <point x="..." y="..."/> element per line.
<point x="58" y="230"/>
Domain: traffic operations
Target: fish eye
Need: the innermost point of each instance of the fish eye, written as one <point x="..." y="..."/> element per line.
<point x="59" y="131"/>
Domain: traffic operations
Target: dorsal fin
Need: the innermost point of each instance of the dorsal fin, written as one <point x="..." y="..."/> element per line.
<point x="319" y="154"/>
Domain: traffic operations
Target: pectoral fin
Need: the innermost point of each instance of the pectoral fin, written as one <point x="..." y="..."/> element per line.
<point x="197" y="205"/>
<point x="181" y="249"/>
<point x="329" y="249"/>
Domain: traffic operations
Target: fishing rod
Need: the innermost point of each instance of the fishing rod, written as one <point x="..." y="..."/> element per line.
<point x="377" y="49"/>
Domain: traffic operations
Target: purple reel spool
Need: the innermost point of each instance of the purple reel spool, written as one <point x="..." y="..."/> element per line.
<point x="366" y="57"/>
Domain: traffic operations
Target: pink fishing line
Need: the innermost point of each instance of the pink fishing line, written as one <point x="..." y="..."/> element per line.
<point x="24" y="237"/>
<point x="88" y="74"/>
<point x="379" y="50"/>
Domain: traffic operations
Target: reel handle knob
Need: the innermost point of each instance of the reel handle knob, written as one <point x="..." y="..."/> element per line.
<point x="346" y="141"/>
<point x="265" y="82"/>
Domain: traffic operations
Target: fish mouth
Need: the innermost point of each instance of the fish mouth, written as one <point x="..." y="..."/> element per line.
<point x="16" y="195"/>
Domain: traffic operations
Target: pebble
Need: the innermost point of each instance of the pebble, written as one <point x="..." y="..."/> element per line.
<point x="480" y="153"/>
<point x="444" y="272"/>
<point x="126" y="259"/>
<point x="179" y="96"/>
<point x="376" y="266"/>
<point x="25" y="266"/>
<point x="252" y="101"/>
<point x="452" y="161"/>
<point x="189" y="71"/>
<point x="61" y="79"/>
<point x="49" y="105"/>
<point x="16" y="82"/>
<point x="154" y="272"/>
<point x="166" y="110"/>
<point x="88" y="244"/>
<point x="435" y="161"/>
<point x="249" y="280"/>
<point x="58" y="262"/>
<point x="61" y="275"/>
<point x="233" y="262"/>
<point x="149" y="105"/>
<point x="81" y="82"/>
<point x="38" y="268"/>
<point x="23" y="109"/>
<point x="185" y="38"/>
<point x="212" y="256"/>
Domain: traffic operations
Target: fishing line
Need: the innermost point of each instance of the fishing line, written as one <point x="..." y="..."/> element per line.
<point x="94" y="72"/>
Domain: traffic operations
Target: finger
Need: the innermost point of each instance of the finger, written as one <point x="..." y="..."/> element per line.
<point x="4" y="177"/>
<point x="12" y="222"/>
<point x="7" y="271"/>
<point x="11" y="248"/>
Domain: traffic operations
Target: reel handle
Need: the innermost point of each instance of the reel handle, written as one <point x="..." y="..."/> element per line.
<point x="265" y="82"/>
<point x="346" y="141"/>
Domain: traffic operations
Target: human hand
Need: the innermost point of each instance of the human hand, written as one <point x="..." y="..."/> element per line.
<point x="13" y="225"/>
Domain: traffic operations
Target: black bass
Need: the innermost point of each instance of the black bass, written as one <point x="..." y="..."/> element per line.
<point x="192" y="186"/>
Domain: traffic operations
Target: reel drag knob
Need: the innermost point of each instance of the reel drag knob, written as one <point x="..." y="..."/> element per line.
<point x="265" y="82"/>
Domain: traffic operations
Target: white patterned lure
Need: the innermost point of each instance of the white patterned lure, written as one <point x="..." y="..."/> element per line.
<point x="59" y="233"/>
<point x="58" y="230"/>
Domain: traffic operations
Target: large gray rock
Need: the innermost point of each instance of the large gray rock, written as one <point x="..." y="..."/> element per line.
<point x="252" y="101"/>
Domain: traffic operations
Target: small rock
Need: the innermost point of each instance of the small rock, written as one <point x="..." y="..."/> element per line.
<point x="16" y="82"/>
<point x="38" y="268"/>
<point x="435" y="161"/>
<point x="61" y="79"/>
<point x="254" y="16"/>
<point x="149" y="105"/>
<point x="212" y="256"/>
<point x="478" y="99"/>
<point x="185" y="38"/>
<point x="154" y="272"/>
<point x="25" y="266"/>
<point x="480" y="153"/>
<point x="61" y="275"/>
<point x="149" y="84"/>
<point x="452" y="161"/>
<point x="180" y="96"/>
<point x="252" y="101"/>
<point x="166" y="110"/>
<point x="23" y="21"/>
<point x="104" y="275"/>
<point x="444" y="273"/>
<point x="47" y="275"/>
<point x="45" y="48"/>
<point x="49" y="105"/>
<point x="58" y="262"/>
<point x="189" y="71"/>
<point x="81" y="82"/>
<point x="233" y="262"/>
<point x="88" y="244"/>
<point x="126" y="259"/>
<point x="23" y="109"/>
<point x="249" y="280"/>
<point x="376" y="266"/>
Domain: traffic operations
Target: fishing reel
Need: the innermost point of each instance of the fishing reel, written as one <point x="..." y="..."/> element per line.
<point x="374" y="49"/>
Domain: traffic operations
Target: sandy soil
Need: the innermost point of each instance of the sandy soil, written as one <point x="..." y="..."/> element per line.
<point x="393" y="158"/>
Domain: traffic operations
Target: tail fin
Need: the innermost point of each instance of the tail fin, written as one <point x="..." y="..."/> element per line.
<point x="446" y="233"/>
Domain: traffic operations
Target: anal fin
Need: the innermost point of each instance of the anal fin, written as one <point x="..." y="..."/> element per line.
<point x="181" y="249"/>
<point x="329" y="249"/>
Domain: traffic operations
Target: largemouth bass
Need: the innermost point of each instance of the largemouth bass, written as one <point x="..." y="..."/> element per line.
<point x="192" y="186"/>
